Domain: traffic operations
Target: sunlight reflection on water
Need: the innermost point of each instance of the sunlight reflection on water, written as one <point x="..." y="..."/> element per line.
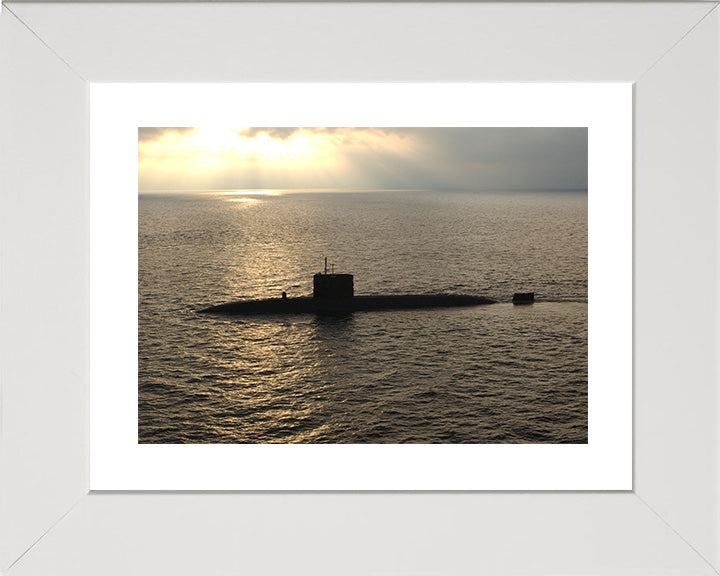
<point x="487" y="374"/>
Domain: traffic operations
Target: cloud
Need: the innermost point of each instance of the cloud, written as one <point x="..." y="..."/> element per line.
<point x="283" y="133"/>
<point x="382" y="158"/>
<point x="150" y="134"/>
<point x="279" y="133"/>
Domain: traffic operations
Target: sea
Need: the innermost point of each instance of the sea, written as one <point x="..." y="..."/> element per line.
<point x="489" y="374"/>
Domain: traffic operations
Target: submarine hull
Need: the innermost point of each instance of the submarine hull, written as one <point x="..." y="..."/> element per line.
<point x="310" y="305"/>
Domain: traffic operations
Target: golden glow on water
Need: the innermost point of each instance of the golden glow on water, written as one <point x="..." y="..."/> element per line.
<point x="247" y="197"/>
<point x="244" y="200"/>
<point x="252" y="192"/>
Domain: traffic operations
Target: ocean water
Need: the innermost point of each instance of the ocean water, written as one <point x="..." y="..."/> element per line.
<point x="487" y="374"/>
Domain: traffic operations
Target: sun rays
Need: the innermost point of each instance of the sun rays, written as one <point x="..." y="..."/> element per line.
<point x="253" y="158"/>
<point x="219" y="157"/>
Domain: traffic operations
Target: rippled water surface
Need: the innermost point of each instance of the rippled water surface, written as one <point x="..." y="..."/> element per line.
<point x="487" y="374"/>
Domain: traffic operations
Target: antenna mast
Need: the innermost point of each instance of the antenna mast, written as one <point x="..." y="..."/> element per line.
<point x="325" y="264"/>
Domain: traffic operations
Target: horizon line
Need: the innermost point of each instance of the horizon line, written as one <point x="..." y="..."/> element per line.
<point x="335" y="189"/>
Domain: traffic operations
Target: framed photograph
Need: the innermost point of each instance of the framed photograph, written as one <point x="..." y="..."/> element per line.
<point x="330" y="407"/>
<point x="129" y="200"/>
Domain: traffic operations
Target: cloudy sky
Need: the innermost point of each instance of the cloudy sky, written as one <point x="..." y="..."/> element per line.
<point x="177" y="159"/>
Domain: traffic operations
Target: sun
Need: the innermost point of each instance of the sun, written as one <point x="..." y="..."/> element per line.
<point x="260" y="145"/>
<point x="215" y="157"/>
<point x="212" y="138"/>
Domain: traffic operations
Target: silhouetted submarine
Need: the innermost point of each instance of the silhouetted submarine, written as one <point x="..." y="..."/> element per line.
<point x="334" y="294"/>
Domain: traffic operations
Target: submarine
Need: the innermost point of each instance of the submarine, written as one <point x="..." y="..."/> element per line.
<point x="334" y="294"/>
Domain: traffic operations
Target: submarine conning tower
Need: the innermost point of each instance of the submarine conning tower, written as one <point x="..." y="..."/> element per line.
<point x="332" y="285"/>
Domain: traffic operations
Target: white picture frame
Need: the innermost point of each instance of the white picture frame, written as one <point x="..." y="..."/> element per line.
<point x="49" y="523"/>
<point x="119" y="462"/>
